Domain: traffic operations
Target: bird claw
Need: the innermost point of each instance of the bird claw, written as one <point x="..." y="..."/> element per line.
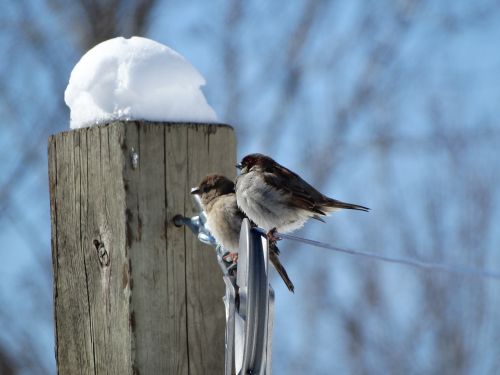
<point x="272" y="237"/>
<point x="230" y="257"/>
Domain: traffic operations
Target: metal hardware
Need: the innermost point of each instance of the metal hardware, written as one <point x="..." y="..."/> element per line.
<point x="197" y="224"/>
<point x="249" y="299"/>
<point x="134" y="158"/>
<point x="256" y="307"/>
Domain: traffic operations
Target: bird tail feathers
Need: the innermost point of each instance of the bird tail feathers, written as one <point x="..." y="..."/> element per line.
<point x="333" y="205"/>
<point x="273" y="257"/>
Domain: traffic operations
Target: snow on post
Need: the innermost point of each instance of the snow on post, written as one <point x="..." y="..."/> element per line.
<point x="135" y="79"/>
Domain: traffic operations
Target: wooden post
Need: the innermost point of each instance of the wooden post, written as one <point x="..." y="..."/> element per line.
<point x="133" y="294"/>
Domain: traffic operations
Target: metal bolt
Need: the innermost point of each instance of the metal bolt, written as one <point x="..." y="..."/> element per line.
<point x="134" y="158"/>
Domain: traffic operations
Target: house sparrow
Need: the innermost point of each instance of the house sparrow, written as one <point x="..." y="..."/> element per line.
<point x="277" y="199"/>
<point x="224" y="219"/>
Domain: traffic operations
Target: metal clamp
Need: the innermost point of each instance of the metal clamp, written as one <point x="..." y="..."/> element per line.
<point x="255" y="313"/>
<point x="249" y="299"/>
<point x="197" y="224"/>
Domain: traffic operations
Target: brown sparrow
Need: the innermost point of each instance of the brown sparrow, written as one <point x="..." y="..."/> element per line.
<point x="224" y="219"/>
<point x="277" y="199"/>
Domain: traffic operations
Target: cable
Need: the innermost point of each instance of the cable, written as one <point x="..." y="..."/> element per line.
<point x="469" y="271"/>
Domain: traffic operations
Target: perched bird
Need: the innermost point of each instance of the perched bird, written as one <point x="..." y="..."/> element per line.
<point x="224" y="218"/>
<point x="277" y="199"/>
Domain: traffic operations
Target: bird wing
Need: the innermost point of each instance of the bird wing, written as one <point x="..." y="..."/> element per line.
<point x="300" y="193"/>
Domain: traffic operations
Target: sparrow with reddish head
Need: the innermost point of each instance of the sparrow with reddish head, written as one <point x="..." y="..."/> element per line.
<point x="224" y="219"/>
<point x="277" y="199"/>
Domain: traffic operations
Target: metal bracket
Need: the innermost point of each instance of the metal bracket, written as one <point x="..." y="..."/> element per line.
<point x="254" y="317"/>
<point x="197" y="224"/>
<point x="249" y="299"/>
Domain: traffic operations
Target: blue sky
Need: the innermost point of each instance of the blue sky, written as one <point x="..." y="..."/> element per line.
<point x="446" y="67"/>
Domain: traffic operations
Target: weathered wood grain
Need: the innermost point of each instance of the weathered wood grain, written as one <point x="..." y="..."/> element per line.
<point x="176" y="156"/>
<point x="206" y="144"/>
<point x="133" y="293"/>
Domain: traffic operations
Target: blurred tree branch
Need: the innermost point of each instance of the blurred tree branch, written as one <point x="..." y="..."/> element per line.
<point x="346" y="94"/>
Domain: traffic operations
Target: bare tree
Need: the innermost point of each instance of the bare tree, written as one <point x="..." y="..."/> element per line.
<point x="359" y="98"/>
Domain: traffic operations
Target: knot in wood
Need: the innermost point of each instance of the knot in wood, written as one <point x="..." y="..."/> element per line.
<point x="102" y="253"/>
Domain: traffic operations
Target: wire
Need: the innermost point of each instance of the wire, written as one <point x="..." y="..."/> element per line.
<point x="469" y="271"/>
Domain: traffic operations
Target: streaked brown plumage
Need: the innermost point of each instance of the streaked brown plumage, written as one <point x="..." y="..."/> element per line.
<point x="274" y="197"/>
<point x="224" y="218"/>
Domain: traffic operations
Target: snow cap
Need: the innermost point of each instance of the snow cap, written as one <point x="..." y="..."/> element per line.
<point x="135" y="79"/>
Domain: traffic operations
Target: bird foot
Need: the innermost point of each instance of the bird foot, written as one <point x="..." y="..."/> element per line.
<point x="272" y="237"/>
<point x="231" y="260"/>
<point x="230" y="257"/>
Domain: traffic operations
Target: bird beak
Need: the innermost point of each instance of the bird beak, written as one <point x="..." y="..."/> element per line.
<point x="239" y="166"/>
<point x="195" y="191"/>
